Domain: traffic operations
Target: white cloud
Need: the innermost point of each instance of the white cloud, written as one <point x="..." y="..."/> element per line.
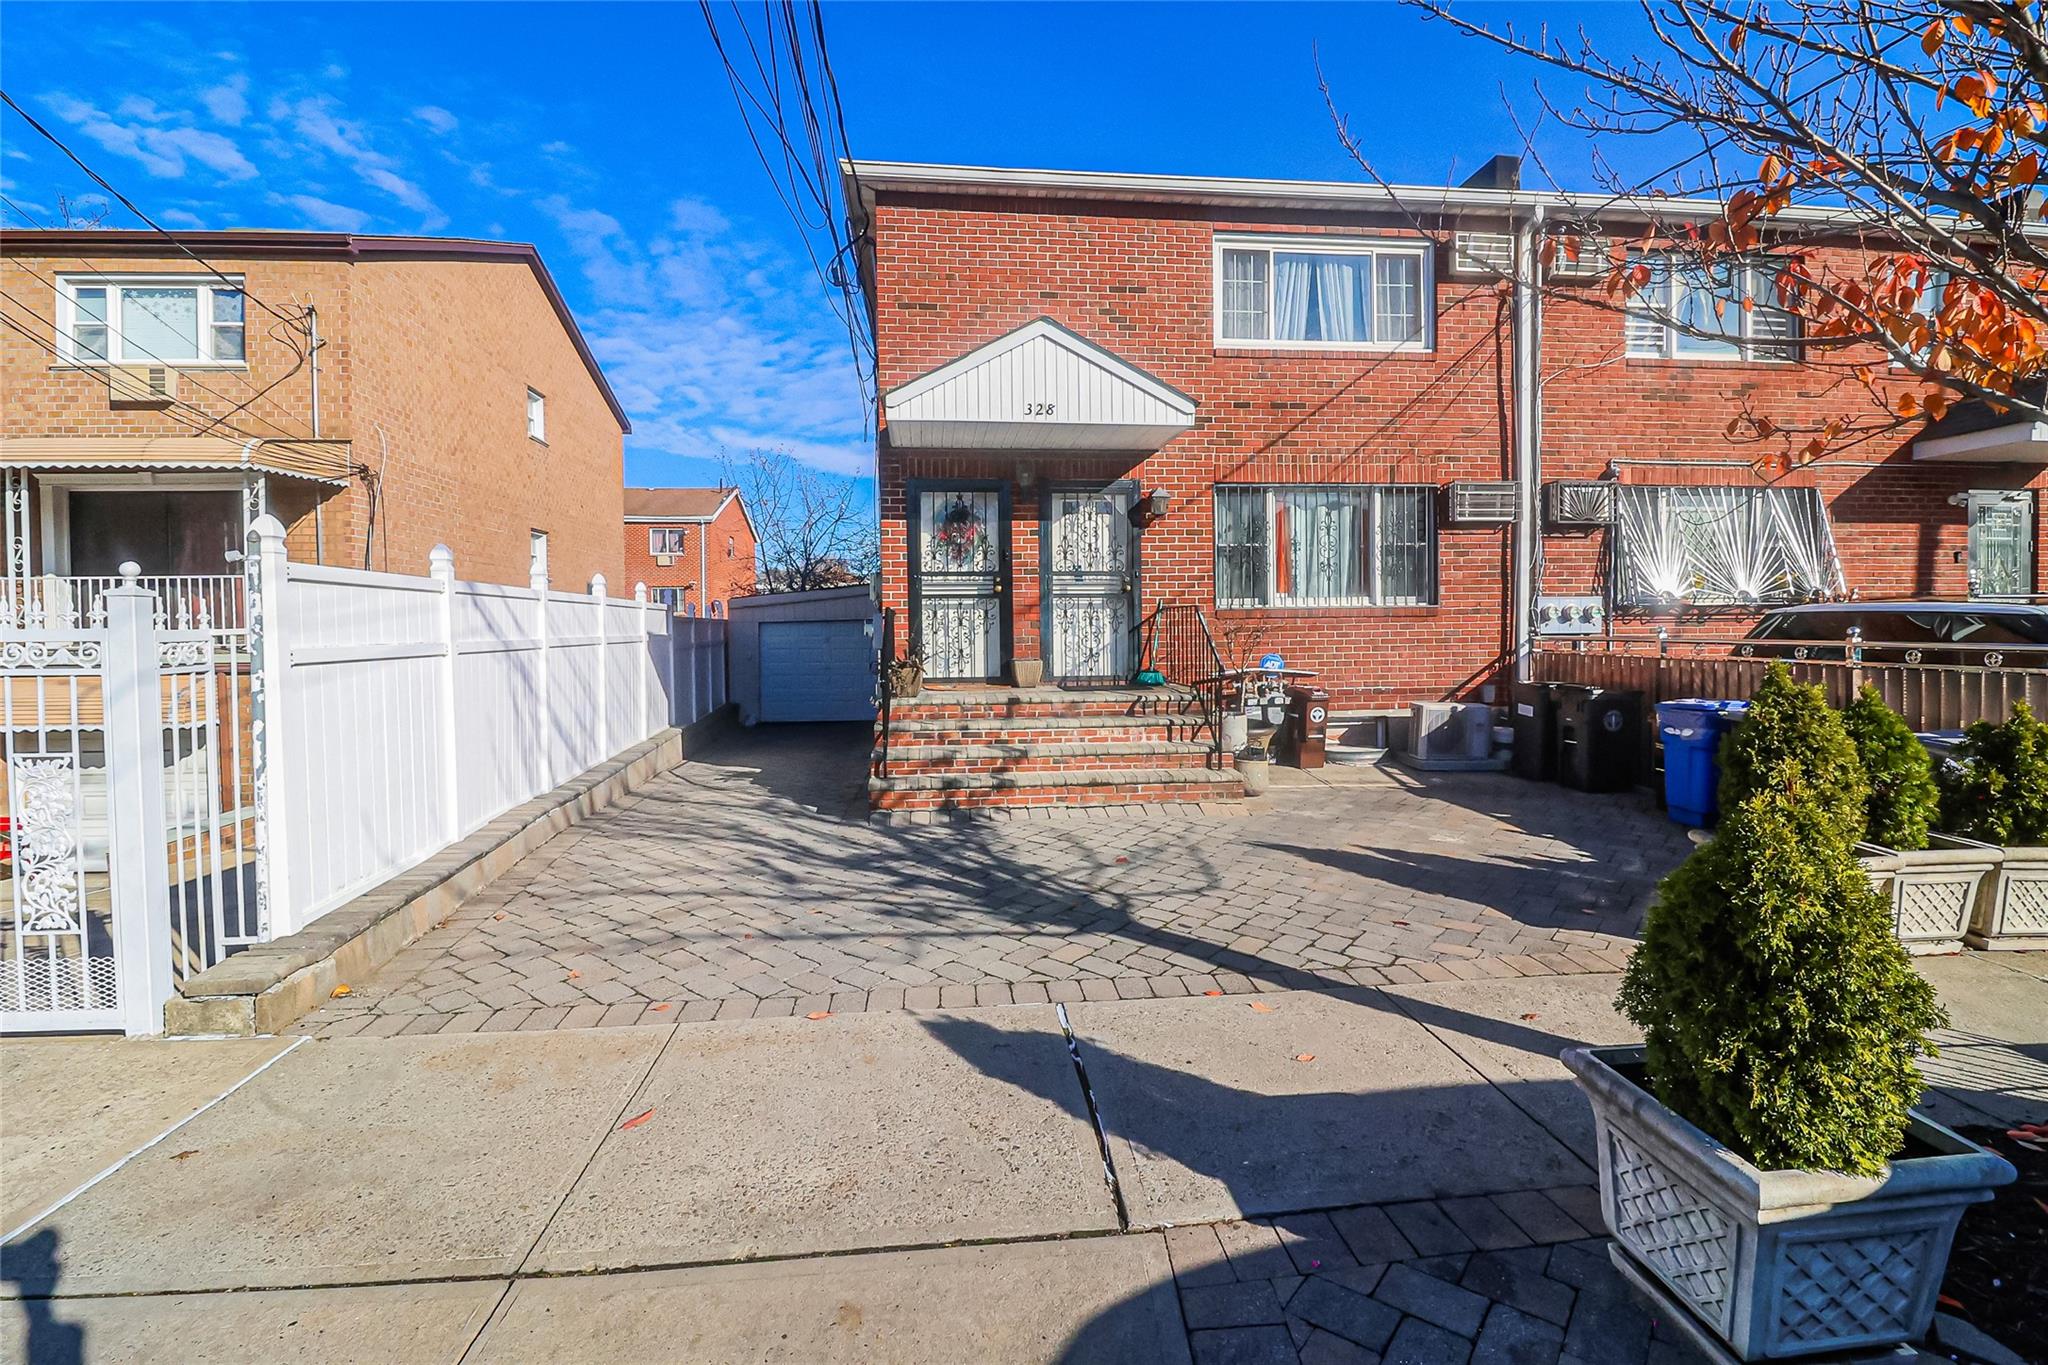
<point x="315" y="120"/>
<point x="162" y="151"/>
<point x="436" y="118"/>
<point x="324" y="213"/>
<point x="227" y="102"/>
<point x="181" y="218"/>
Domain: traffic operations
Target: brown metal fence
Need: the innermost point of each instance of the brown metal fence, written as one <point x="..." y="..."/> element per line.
<point x="1929" y="696"/>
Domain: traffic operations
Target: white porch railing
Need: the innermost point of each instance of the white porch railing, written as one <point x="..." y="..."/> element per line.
<point x="184" y="601"/>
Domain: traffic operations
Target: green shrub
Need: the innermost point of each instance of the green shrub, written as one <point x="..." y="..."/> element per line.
<point x="1780" y="1012"/>
<point x="1791" y="722"/>
<point x="1995" y="785"/>
<point x="1903" y="800"/>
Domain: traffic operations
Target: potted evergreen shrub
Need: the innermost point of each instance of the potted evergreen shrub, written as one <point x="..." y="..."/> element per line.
<point x="1760" y="1162"/>
<point x="1933" y="880"/>
<point x="1994" y="788"/>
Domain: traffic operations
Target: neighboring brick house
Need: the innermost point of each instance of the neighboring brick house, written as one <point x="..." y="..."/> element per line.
<point x="1105" y="392"/>
<point x="692" y="547"/>
<point x="160" y="393"/>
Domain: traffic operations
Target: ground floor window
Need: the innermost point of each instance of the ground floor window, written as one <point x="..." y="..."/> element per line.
<point x="1325" y="545"/>
<point x="1722" y="546"/>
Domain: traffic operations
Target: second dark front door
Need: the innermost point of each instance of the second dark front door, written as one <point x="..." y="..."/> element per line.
<point x="1091" y="581"/>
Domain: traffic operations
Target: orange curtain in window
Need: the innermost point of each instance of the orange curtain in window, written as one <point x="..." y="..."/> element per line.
<point x="1283" y="563"/>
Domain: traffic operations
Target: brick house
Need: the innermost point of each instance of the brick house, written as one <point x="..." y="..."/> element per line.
<point x="1284" y="403"/>
<point x="379" y="395"/>
<point x="1352" y="426"/>
<point x="692" y="547"/>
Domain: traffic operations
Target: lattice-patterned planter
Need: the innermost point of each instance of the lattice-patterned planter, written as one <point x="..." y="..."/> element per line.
<point x="1933" y="890"/>
<point x="1777" y="1264"/>
<point x="2012" y="910"/>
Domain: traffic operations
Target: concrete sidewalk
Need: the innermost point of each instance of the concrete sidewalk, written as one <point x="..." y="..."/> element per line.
<point x="1412" y="1160"/>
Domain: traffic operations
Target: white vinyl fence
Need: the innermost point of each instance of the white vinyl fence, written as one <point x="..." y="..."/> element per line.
<point x="176" y="793"/>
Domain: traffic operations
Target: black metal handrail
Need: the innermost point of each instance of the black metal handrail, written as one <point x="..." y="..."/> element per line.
<point x="1178" y="645"/>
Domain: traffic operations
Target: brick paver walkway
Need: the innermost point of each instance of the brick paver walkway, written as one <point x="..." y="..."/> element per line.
<point x="749" y="882"/>
<point x="1516" y="1279"/>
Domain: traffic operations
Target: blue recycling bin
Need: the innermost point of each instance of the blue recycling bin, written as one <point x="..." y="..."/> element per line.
<point x="1691" y="730"/>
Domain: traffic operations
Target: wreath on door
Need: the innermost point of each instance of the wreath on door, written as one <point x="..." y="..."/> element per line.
<point x="962" y="534"/>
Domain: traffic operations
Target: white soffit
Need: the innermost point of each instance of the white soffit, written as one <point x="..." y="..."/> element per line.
<point x="1040" y="387"/>
<point x="2021" y="442"/>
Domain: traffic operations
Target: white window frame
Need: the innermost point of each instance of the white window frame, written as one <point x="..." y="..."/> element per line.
<point x="1269" y="243"/>
<point x="667" y="540"/>
<point x="1643" y="311"/>
<point x="1375" y="595"/>
<point x="206" y="285"/>
<point x="536" y="415"/>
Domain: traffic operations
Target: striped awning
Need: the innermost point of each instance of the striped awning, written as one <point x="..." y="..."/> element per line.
<point x="321" y="461"/>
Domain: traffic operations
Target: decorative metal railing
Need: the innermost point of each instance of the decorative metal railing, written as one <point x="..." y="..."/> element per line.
<point x="214" y="602"/>
<point x="1178" y="644"/>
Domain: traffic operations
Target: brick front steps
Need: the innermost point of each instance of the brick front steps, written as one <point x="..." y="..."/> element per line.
<point x="971" y="748"/>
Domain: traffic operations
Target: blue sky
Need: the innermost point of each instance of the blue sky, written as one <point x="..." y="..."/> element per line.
<point x="606" y="134"/>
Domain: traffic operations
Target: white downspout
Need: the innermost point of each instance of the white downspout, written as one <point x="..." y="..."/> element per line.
<point x="703" y="568"/>
<point x="320" y="502"/>
<point x="1527" y="390"/>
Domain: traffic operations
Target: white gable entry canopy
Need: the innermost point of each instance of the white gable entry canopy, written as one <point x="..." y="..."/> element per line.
<point x="1040" y="387"/>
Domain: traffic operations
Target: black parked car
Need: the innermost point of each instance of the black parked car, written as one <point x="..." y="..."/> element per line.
<point x="1906" y="633"/>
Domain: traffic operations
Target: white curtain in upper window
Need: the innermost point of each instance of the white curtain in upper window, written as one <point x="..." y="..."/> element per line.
<point x="1340" y="284"/>
<point x="159" y="324"/>
<point x="1293" y="280"/>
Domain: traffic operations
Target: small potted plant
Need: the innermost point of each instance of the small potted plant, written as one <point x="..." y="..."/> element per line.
<point x="1932" y="879"/>
<point x="906" y="675"/>
<point x="1994" y="788"/>
<point x="1761" y="1167"/>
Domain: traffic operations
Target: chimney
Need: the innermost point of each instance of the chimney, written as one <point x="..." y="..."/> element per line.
<point x="1501" y="173"/>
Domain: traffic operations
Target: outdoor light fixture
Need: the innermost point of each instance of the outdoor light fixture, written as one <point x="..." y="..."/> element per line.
<point x="1155" y="504"/>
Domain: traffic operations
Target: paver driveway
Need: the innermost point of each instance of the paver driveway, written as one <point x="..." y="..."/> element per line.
<point x="748" y="882"/>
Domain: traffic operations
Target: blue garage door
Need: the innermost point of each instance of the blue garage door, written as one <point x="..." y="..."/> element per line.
<point x="817" y="670"/>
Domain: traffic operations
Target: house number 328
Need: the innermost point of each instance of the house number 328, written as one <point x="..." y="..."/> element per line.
<point x="1038" y="409"/>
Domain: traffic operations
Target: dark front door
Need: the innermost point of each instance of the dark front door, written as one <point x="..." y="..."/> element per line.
<point x="1091" y="584"/>
<point x="166" y="533"/>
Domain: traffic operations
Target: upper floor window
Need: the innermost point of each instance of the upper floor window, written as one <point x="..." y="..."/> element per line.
<point x="1322" y="293"/>
<point x="1723" y="311"/>
<point x="146" y="320"/>
<point x="729" y="547"/>
<point x="664" y="540"/>
<point x="536" y="416"/>
<point x="1325" y="546"/>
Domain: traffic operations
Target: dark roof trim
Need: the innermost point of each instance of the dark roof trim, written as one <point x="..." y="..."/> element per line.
<point x="342" y="246"/>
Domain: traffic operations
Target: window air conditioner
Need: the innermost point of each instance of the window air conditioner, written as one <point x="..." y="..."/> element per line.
<point x="1592" y="261"/>
<point x="141" y="384"/>
<point x="665" y="561"/>
<point x="1477" y="503"/>
<point x="1579" y="504"/>
<point x="1488" y="254"/>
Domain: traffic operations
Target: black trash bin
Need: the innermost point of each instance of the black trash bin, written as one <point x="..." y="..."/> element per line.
<point x="1599" y="735"/>
<point x="1534" y="718"/>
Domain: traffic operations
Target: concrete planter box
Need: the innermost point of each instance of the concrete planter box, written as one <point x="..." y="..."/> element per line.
<point x="1933" y="890"/>
<point x="1778" y="1264"/>
<point x="2012" y="909"/>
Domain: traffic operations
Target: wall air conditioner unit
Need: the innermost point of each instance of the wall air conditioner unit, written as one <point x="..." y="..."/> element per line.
<point x="1482" y="254"/>
<point x="1579" y="504"/>
<point x="1592" y="260"/>
<point x="665" y="561"/>
<point x="141" y="384"/>
<point x="1474" y="503"/>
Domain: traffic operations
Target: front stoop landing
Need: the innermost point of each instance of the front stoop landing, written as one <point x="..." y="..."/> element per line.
<point x="268" y="986"/>
<point x="975" y="748"/>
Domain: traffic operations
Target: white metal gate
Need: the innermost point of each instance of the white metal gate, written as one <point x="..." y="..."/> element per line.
<point x="959" y="582"/>
<point x="1088" y="585"/>
<point x="131" y="856"/>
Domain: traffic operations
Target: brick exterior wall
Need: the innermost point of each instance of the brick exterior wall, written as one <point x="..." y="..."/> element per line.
<point x="424" y="371"/>
<point x="728" y="556"/>
<point x="954" y="272"/>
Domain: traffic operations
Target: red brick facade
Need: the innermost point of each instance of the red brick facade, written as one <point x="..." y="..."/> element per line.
<point x="713" y="561"/>
<point x="952" y="271"/>
<point x="428" y="350"/>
